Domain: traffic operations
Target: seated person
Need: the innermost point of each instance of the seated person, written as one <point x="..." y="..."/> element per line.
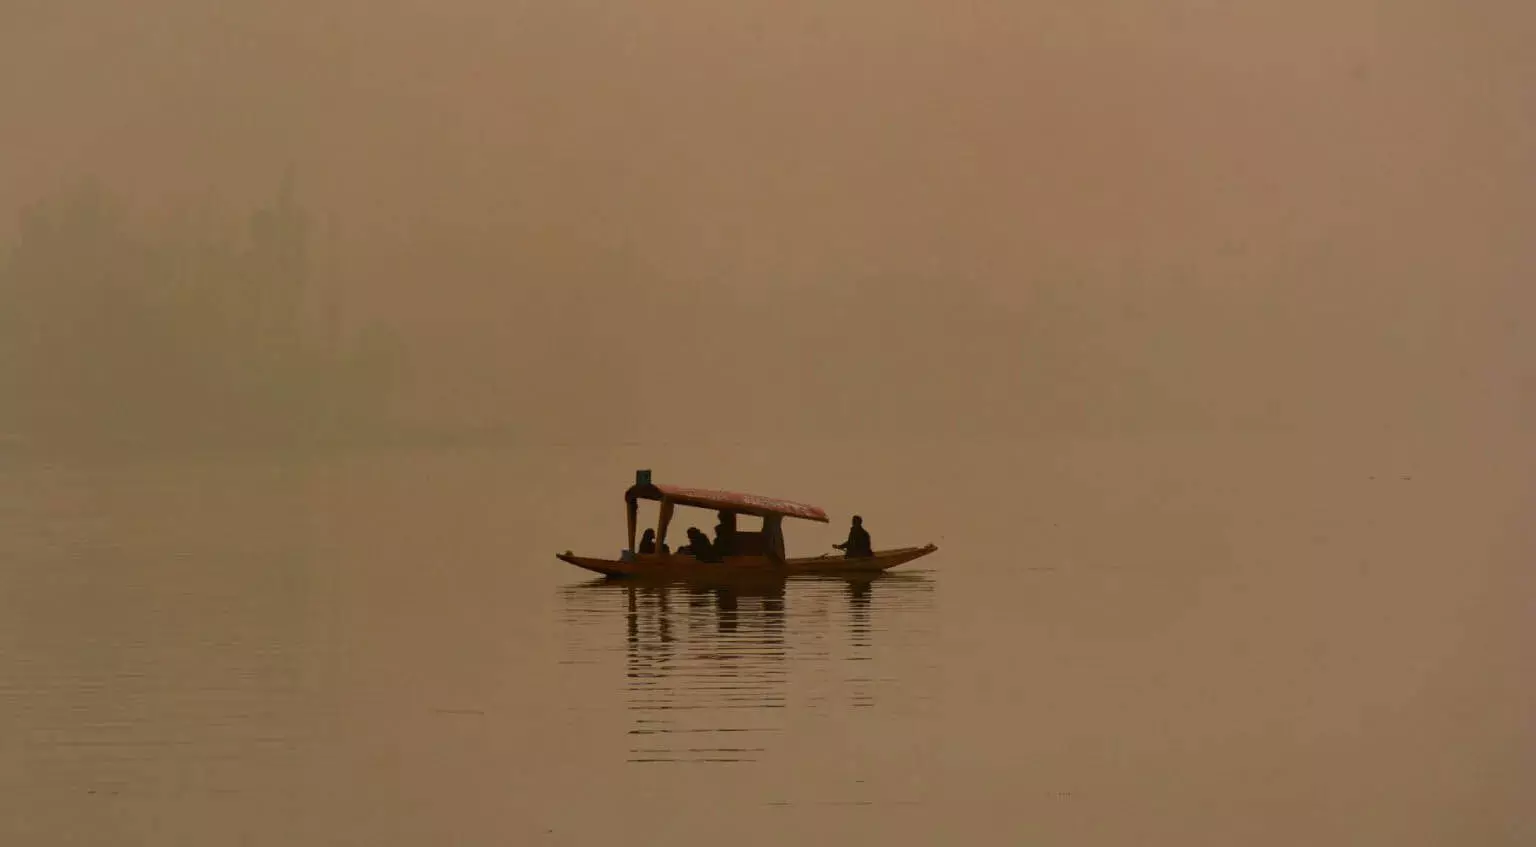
<point x="648" y="543"/>
<point x="699" y="546"/>
<point x="725" y="543"/>
<point x="725" y="535"/>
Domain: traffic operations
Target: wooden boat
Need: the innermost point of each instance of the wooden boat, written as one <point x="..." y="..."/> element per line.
<point x="752" y="554"/>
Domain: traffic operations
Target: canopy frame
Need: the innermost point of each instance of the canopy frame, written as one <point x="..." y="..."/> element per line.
<point x="772" y="510"/>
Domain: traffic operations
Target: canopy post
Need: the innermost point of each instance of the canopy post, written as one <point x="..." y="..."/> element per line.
<point x="633" y="508"/>
<point x="661" y="524"/>
<point x="773" y="530"/>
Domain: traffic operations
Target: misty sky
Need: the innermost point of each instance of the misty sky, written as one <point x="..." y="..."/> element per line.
<point x="1361" y="169"/>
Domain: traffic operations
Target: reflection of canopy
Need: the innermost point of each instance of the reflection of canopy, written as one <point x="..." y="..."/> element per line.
<point x="730" y="501"/>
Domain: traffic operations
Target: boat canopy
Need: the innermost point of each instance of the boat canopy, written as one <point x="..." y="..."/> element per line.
<point x="772" y="510"/>
<point x="727" y="501"/>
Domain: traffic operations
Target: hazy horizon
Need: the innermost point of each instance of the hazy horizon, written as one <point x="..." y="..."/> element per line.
<point x="1192" y="334"/>
<point x="1319" y="210"/>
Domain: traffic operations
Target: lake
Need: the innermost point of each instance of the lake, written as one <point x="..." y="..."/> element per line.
<point x="1161" y="640"/>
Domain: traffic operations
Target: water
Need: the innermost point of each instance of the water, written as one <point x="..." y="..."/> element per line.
<point x="735" y="675"/>
<point x="1192" y="641"/>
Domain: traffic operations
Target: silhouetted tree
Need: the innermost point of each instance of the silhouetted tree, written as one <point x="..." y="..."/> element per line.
<point x="111" y="334"/>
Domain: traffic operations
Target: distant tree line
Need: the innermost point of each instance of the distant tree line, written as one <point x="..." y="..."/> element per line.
<point x="187" y="332"/>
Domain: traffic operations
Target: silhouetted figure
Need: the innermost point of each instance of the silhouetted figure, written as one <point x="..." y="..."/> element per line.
<point x="725" y="534"/>
<point x="858" y="545"/>
<point x="699" y="546"/>
<point x="648" y="543"/>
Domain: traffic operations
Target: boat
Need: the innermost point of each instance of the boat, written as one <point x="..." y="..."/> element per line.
<point x="753" y="553"/>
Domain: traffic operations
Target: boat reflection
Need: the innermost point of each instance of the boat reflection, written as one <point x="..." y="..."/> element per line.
<point x="707" y="666"/>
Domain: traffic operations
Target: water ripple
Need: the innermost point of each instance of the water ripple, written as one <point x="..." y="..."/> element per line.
<point x="702" y="664"/>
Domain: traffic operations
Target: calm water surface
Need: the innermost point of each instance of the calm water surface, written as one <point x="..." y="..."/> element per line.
<point x="1154" y="641"/>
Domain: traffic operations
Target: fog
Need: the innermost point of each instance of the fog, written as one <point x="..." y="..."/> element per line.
<point x="605" y="222"/>
<point x="1194" y="335"/>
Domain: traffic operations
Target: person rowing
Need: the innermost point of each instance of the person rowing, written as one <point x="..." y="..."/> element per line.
<point x="858" y="545"/>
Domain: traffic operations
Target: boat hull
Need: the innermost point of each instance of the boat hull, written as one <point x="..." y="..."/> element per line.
<point x="682" y="566"/>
